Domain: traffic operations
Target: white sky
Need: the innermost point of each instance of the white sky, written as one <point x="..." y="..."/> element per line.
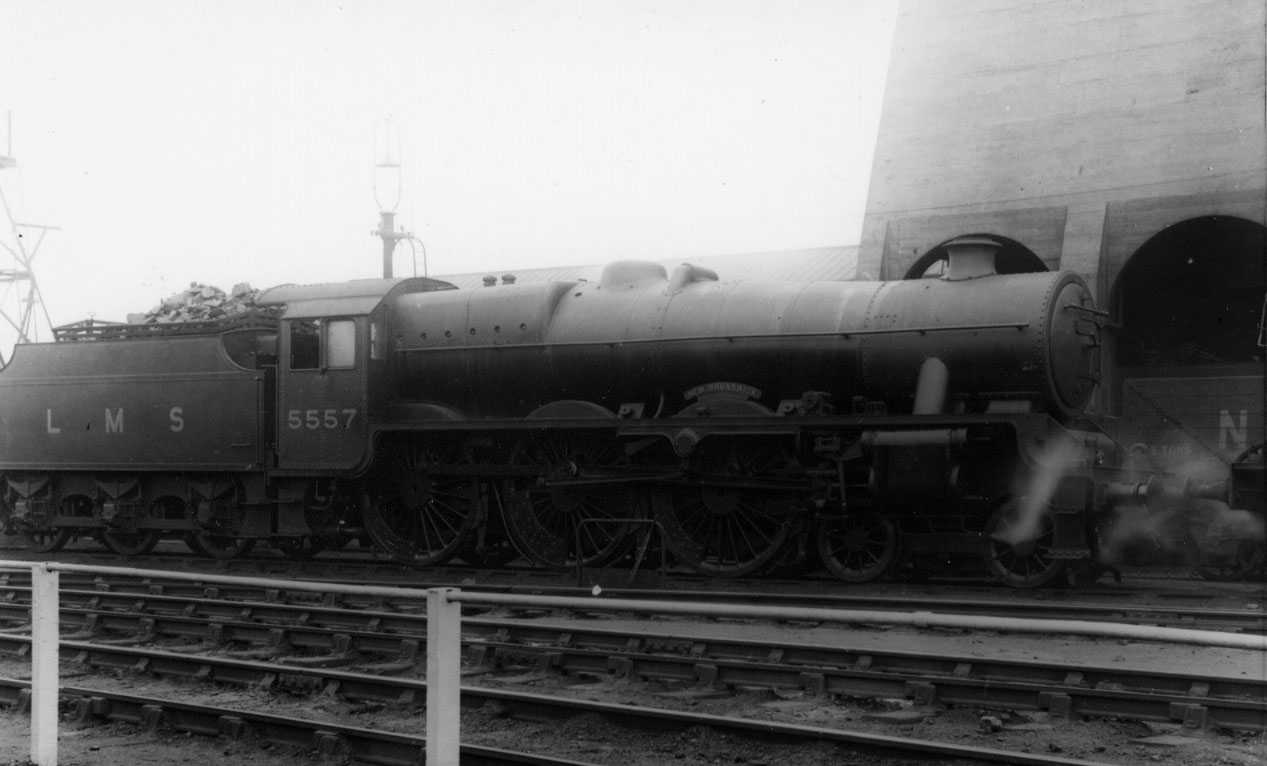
<point x="177" y="142"/>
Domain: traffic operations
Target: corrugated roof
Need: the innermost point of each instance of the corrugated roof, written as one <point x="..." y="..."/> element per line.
<point x="815" y="264"/>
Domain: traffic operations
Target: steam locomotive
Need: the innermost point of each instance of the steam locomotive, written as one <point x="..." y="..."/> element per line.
<point x="734" y="425"/>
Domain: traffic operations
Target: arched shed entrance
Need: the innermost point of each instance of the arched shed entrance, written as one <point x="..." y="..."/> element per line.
<point x="1188" y="362"/>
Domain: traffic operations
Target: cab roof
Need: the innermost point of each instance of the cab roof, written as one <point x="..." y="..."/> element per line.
<point x="353" y="298"/>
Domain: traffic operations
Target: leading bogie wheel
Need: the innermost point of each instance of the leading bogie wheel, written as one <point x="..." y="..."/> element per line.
<point x="1020" y="540"/>
<point x="859" y="546"/>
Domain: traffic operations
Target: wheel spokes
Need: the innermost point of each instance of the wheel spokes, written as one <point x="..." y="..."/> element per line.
<point x="1022" y="563"/>
<point x="559" y="522"/>
<point x="419" y="517"/>
<point x="721" y="524"/>
<point x="858" y="548"/>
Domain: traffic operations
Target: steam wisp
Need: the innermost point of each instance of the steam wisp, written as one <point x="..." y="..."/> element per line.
<point x="1053" y="462"/>
<point x="1177" y="520"/>
<point x="1196" y="529"/>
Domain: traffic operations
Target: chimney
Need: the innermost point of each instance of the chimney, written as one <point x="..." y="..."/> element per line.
<point x="970" y="258"/>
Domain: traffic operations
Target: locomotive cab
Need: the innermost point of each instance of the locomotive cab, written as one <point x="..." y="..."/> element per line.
<point x="321" y="396"/>
<point x="331" y="358"/>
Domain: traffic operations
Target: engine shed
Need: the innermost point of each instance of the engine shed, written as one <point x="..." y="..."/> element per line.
<point x="1122" y="141"/>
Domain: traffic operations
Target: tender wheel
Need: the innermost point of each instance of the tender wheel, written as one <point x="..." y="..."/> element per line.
<point x="737" y="514"/>
<point x="137" y="542"/>
<point x="859" y="547"/>
<point x="221" y="546"/>
<point x="217" y="539"/>
<point x="298" y="548"/>
<point x="422" y="518"/>
<point x="51" y="540"/>
<point x="47" y="540"/>
<point x="1019" y="550"/>
<point x="569" y="503"/>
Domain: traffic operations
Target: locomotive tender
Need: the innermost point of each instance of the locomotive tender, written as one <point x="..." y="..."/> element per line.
<point x="746" y="424"/>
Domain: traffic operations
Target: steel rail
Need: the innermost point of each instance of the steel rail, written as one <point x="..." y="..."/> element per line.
<point x="142" y="710"/>
<point x="325" y="627"/>
<point x="1196" y="701"/>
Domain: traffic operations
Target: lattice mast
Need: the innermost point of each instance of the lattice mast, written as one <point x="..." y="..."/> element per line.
<point x="22" y="311"/>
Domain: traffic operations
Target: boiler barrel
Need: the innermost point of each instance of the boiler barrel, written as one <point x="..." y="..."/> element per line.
<point x="640" y="336"/>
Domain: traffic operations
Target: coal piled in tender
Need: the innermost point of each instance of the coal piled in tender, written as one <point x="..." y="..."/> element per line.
<point x="201" y="303"/>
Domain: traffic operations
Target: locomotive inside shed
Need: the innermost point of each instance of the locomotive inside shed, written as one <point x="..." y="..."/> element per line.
<point x="1189" y="357"/>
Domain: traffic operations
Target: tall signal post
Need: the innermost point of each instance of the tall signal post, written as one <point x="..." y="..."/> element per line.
<point x="388" y="182"/>
<point x="22" y="310"/>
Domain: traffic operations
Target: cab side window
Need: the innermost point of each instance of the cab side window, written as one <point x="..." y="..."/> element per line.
<point x="322" y="344"/>
<point x="340" y="344"/>
<point x="305" y="344"/>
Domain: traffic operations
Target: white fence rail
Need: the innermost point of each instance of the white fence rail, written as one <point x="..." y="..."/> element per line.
<point x="444" y="635"/>
<point x="444" y="630"/>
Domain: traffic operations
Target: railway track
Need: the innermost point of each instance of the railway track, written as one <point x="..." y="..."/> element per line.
<point x="391" y="641"/>
<point x="391" y="747"/>
<point x="331" y="741"/>
<point x="925" y="678"/>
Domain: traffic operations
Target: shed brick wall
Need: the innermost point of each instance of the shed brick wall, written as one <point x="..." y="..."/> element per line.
<point x="995" y="109"/>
